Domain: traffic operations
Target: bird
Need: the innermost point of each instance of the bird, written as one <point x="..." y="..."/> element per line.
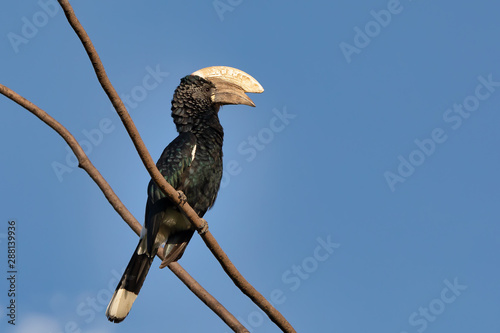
<point x="191" y="163"/>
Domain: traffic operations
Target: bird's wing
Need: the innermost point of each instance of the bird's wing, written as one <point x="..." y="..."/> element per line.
<point x="174" y="165"/>
<point x="174" y="162"/>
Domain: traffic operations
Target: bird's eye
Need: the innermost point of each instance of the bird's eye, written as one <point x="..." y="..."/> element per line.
<point x="207" y="89"/>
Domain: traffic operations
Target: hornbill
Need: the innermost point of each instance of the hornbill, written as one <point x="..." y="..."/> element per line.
<point x="191" y="163"/>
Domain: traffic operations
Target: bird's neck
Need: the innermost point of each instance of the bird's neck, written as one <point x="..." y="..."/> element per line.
<point x="210" y="133"/>
<point x="206" y="127"/>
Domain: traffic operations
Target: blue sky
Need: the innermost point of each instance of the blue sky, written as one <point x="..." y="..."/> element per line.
<point x="360" y="195"/>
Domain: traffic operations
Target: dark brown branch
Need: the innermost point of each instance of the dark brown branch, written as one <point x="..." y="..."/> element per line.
<point x="169" y="191"/>
<point x="120" y="208"/>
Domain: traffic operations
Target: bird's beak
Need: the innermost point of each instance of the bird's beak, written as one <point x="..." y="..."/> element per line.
<point x="231" y="84"/>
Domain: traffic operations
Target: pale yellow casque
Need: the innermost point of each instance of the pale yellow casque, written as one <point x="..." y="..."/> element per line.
<point x="233" y="75"/>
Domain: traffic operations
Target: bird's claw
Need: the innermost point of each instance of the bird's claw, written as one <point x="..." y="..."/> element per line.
<point x="182" y="198"/>
<point x="204" y="227"/>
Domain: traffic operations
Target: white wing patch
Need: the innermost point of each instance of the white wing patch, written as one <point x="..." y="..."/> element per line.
<point x="193" y="152"/>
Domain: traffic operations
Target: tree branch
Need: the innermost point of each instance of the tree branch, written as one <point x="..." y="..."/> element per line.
<point x="120" y="208"/>
<point x="167" y="189"/>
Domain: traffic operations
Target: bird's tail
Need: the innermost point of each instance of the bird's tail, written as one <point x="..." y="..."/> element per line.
<point x="129" y="286"/>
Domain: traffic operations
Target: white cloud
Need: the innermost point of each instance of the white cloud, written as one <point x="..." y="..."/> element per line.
<point x="37" y="323"/>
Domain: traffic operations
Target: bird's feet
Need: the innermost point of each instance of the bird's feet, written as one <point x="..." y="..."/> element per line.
<point x="182" y="197"/>
<point x="204" y="227"/>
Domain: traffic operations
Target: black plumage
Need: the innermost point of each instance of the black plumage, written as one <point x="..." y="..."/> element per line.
<point x="191" y="163"/>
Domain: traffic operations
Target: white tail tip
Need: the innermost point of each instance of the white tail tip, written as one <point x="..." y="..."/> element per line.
<point x="120" y="305"/>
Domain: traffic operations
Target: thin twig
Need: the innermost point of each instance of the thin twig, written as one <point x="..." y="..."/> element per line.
<point x="120" y="208"/>
<point x="169" y="191"/>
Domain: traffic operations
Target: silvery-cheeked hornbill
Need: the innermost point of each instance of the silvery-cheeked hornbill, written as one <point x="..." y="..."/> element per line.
<point x="191" y="163"/>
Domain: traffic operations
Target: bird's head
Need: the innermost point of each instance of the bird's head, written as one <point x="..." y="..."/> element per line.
<point x="204" y="91"/>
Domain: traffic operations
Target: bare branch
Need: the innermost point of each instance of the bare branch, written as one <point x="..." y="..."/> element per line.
<point x="169" y="191"/>
<point x="120" y="208"/>
<point x="206" y="298"/>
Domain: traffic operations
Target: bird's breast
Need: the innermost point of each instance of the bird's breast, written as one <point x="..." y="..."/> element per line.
<point x="203" y="182"/>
